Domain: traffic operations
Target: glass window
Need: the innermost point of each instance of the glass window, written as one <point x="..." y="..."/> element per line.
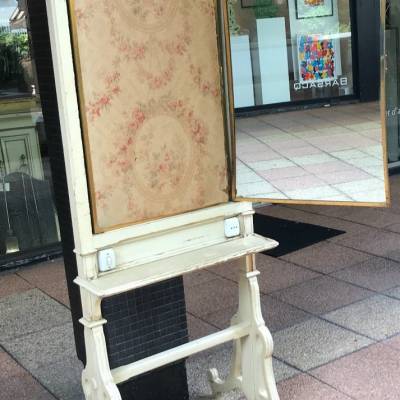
<point x="28" y="218"/>
<point x="290" y="50"/>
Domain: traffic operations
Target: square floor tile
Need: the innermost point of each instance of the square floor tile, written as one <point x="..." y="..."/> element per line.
<point x="321" y="295"/>
<point x="393" y="342"/>
<point x="276" y="274"/>
<point x="197" y="278"/>
<point x="49" y="277"/>
<point x="23" y="387"/>
<point x="198" y="365"/>
<point x="50" y="357"/>
<point x="377" y="317"/>
<point x="35" y="310"/>
<point x="12" y="284"/>
<point x="305" y="387"/>
<point x="370" y="374"/>
<point x="277" y="315"/>
<point x="314" y="343"/>
<point x="63" y="378"/>
<point x="394" y="292"/>
<point x="202" y="299"/>
<point x="37" y="350"/>
<point x="326" y="257"/>
<point x="198" y="328"/>
<point x="18" y="384"/>
<point x="376" y="273"/>
<point x="372" y="241"/>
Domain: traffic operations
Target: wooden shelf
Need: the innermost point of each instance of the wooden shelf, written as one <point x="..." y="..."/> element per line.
<point x="135" y="277"/>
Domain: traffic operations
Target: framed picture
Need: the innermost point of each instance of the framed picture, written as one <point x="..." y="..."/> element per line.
<point x="317" y="58"/>
<point x="313" y="8"/>
<point x="152" y="113"/>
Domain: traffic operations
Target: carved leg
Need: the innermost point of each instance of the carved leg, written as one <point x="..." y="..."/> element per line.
<point x="252" y="370"/>
<point x="234" y="380"/>
<point x="97" y="381"/>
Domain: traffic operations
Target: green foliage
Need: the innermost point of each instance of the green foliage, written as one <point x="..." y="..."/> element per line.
<point x="14" y="48"/>
<point x="265" y="9"/>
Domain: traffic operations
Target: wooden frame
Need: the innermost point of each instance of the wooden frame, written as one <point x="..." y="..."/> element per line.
<point x="383" y="141"/>
<point x="202" y="149"/>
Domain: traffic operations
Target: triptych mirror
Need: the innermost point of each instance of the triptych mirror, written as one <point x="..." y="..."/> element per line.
<point x="159" y="122"/>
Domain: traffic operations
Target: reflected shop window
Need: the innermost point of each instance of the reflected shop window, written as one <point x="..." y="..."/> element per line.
<point x="286" y="53"/>
<point x="28" y="218"/>
<point x="274" y="46"/>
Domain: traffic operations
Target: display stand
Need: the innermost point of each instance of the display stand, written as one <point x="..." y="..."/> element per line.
<point x="155" y="251"/>
<point x="251" y="371"/>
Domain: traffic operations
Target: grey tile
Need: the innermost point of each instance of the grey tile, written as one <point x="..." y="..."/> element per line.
<point x="276" y="274"/>
<point x="321" y="295"/>
<point x="197" y="277"/>
<point x="50" y="357"/>
<point x="315" y="342"/>
<point x="372" y="241"/>
<point x="220" y="357"/>
<point x="211" y="296"/>
<point x="376" y="273"/>
<point x="394" y="292"/>
<point x="63" y="378"/>
<point x="279" y="315"/>
<point x="326" y="257"/>
<point x="29" y="312"/>
<point x="198" y="328"/>
<point x="377" y="317"/>
<point x="40" y="349"/>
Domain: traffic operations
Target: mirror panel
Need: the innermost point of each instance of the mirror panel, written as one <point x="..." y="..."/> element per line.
<point x="304" y="134"/>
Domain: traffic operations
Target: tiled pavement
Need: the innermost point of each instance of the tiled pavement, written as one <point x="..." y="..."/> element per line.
<point x="333" y="308"/>
<point x="330" y="153"/>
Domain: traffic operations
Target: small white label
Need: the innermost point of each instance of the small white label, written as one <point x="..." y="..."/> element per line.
<point x="106" y="260"/>
<point x="232" y="227"/>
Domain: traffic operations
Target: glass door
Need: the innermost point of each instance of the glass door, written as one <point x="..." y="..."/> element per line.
<point x="28" y="218"/>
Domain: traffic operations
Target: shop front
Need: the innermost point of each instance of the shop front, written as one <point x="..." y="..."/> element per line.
<point x="290" y="52"/>
<point x="296" y="54"/>
<point x="28" y="219"/>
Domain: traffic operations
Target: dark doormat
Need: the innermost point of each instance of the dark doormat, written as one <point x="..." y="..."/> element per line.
<point x="291" y="235"/>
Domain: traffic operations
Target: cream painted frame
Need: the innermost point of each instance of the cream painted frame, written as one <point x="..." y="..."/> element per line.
<point x="184" y="243"/>
<point x="220" y="13"/>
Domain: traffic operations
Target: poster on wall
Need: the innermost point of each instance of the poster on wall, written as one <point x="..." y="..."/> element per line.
<point x="152" y="110"/>
<point x="314" y="8"/>
<point x="317" y="58"/>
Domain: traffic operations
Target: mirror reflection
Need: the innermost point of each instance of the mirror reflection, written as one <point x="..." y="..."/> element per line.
<point x="308" y="120"/>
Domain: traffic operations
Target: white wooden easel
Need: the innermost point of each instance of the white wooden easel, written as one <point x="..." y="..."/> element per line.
<point x="155" y="251"/>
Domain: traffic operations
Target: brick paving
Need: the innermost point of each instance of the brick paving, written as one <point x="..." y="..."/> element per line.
<point x="333" y="309"/>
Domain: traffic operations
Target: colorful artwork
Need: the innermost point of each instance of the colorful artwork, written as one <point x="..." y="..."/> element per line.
<point x="151" y="109"/>
<point x="314" y="3"/>
<point x="317" y="58"/>
<point x="313" y="8"/>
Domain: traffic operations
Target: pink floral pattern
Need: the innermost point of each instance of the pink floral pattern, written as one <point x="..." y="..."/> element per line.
<point x="154" y="113"/>
<point x="102" y="101"/>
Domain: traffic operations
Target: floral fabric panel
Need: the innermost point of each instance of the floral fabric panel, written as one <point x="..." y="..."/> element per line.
<point x="151" y="93"/>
